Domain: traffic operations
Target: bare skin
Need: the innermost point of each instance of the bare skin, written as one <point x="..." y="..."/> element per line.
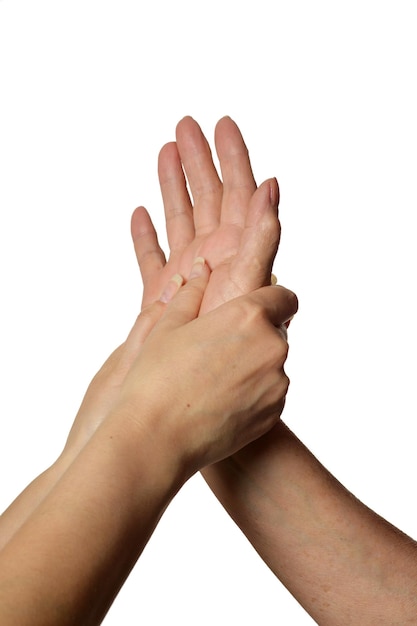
<point x="232" y="224"/>
<point x="342" y="562"/>
<point x="67" y="561"/>
<point x="236" y="231"/>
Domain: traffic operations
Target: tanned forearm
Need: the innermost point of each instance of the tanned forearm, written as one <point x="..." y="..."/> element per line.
<point x="340" y="560"/>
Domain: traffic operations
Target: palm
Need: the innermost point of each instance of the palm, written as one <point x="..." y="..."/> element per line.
<point x="231" y="224"/>
<point x="220" y="249"/>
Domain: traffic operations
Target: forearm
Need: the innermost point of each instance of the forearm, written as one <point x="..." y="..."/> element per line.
<point x="341" y="561"/>
<point x="67" y="562"/>
<point x="31" y="497"/>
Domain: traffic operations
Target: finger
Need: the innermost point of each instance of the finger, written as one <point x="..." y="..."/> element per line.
<point x="251" y="268"/>
<point x="149" y="254"/>
<point x="148" y="317"/>
<point x="171" y="288"/>
<point x="177" y="203"/>
<point x="185" y="306"/>
<point x="277" y="303"/>
<point x="238" y="181"/>
<point x="144" y="324"/>
<point x="204" y="181"/>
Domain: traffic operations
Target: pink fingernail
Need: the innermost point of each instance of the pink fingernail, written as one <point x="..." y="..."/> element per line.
<point x="273" y="192"/>
<point x="198" y="267"/>
<point x="171" y="288"/>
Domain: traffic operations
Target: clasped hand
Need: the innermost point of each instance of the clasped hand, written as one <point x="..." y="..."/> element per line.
<point x="209" y="385"/>
<point x="213" y="384"/>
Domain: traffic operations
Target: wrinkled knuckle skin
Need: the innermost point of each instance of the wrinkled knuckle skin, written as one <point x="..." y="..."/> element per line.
<point x="256" y="314"/>
<point x="286" y="382"/>
<point x="195" y="289"/>
<point x="283" y="386"/>
<point x="246" y="313"/>
<point x="280" y="352"/>
<point x="272" y="230"/>
<point x="151" y="310"/>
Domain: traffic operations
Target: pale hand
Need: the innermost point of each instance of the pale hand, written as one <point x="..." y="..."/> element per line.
<point x="232" y="224"/>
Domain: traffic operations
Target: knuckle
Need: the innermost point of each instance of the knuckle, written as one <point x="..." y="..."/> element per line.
<point x="286" y="381"/>
<point x="257" y="312"/>
<point x="152" y="310"/>
<point x="190" y="293"/>
<point x="272" y="229"/>
<point x="282" y="386"/>
<point x="281" y="348"/>
<point x="246" y="311"/>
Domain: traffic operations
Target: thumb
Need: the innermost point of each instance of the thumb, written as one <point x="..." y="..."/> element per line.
<point x="252" y="266"/>
<point x="279" y="304"/>
<point x="185" y="306"/>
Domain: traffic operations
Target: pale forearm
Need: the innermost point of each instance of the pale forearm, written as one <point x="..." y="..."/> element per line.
<point x="31" y="497"/>
<point x="67" y="562"/>
<point x="70" y="557"/>
<point x="98" y="401"/>
<point x="341" y="561"/>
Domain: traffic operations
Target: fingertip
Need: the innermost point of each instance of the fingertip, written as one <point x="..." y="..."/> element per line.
<point x="226" y="120"/>
<point x="171" y="288"/>
<point x="168" y="155"/>
<point x="199" y="268"/>
<point x="167" y="147"/>
<point x="185" y="125"/>
<point x="185" y="119"/>
<point x="269" y="190"/>
<point x="185" y="306"/>
<point x="280" y="303"/>
<point x="293" y="304"/>
<point x="289" y="298"/>
<point x="140" y="222"/>
<point x="228" y="136"/>
<point x="274" y="192"/>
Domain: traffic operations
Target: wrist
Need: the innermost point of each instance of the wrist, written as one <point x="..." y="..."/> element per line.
<point x="145" y="446"/>
<point x="99" y="516"/>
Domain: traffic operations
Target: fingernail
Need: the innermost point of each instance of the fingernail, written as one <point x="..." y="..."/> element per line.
<point x="273" y="192"/>
<point x="171" y="289"/>
<point x="274" y="280"/>
<point x="197" y="268"/>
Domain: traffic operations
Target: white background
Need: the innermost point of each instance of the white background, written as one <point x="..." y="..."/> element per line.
<point x="325" y="95"/>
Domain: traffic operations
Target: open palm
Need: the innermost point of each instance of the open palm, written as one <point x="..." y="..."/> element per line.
<point x="231" y="223"/>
